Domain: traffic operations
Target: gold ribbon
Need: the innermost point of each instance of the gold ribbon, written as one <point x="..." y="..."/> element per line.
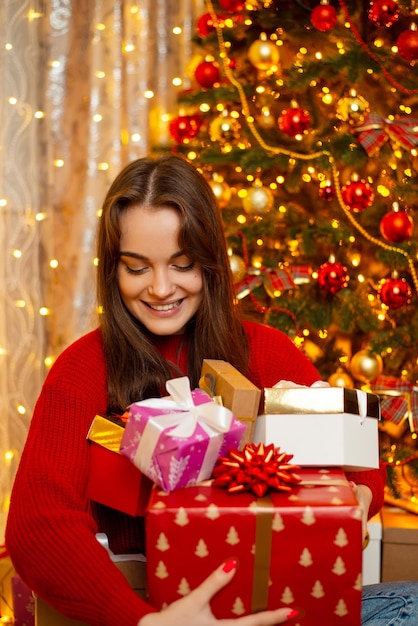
<point x="262" y="556"/>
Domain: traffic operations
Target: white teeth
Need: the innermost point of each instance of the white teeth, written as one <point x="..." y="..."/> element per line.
<point x="164" y="307"/>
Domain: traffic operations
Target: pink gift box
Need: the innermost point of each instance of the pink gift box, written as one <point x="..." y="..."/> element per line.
<point x="23" y="603"/>
<point x="176" y="441"/>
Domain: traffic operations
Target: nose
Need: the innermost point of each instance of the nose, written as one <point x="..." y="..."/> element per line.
<point x="161" y="285"/>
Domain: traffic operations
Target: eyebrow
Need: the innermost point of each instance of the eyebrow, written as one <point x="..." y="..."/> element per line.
<point x="141" y="257"/>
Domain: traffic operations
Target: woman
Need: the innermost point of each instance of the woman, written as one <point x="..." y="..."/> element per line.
<point x="165" y="288"/>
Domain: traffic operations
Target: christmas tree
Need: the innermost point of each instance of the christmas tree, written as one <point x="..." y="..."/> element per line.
<point x="303" y="118"/>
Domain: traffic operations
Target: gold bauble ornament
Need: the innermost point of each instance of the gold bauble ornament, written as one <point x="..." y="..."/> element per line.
<point x="258" y="200"/>
<point x="340" y="378"/>
<point x="224" y="129"/>
<point x="221" y="191"/>
<point x="265" y="118"/>
<point x="366" y="366"/>
<point x="263" y="54"/>
<point x="237" y="265"/>
<point x="352" y="108"/>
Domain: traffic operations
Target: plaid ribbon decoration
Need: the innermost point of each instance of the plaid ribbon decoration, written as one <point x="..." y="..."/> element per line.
<point x="398" y="400"/>
<point x="244" y="287"/>
<point x="301" y="273"/>
<point x="376" y="130"/>
<point x="274" y="279"/>
<point x="278" y="280"/>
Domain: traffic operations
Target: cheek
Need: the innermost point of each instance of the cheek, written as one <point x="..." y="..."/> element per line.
<point x="128" y="286"/>
<point x="196" y="285"/>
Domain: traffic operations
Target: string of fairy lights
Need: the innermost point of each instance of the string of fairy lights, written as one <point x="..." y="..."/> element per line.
<point x="124" y="105"/>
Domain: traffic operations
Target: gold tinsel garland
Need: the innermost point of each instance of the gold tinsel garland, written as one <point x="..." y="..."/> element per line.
<point x="297" y="155"/>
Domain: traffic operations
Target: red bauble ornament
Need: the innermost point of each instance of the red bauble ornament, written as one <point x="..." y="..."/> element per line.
<point x="383" y="12"/>
<point x="408" y="44"/>
<point x="232" y="5"/>
<point x="395" y="293"/>
<point x="332" y="277"/>
<point x="294" y="121"/>
<point x="185" y="127"/>
<point x="205" y="25"/>
<point x="357" y="195"/>
<point x="396" y="226"/>
<point x="324" y="17"/>
<point x="207" y="74"/>
<point x="327" y="192"/>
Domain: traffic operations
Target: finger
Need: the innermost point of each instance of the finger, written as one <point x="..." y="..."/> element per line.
<point x="359" y="495"/>
<point x="215" y="581"/>
<point x="267" y="618"/>
<point x="286" y="384"/>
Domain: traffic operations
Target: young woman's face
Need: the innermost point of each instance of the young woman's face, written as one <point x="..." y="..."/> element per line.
<point x="160" y="285"/>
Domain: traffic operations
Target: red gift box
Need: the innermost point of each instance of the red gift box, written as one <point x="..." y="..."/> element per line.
<point x="299" y="549"/>
<point x="113" y="480"/>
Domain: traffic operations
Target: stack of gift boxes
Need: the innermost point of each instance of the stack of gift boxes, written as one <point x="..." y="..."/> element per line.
<point x="298" y="543"/>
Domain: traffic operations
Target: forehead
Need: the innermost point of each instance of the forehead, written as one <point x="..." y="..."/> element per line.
<point x="149" y="228"/>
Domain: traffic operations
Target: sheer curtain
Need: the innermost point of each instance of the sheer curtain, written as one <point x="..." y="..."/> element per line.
<point x="87" y="85"/>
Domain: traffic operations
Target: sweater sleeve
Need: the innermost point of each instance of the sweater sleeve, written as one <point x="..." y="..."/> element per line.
<point x="274" y="357"/>
<point x="50" y="532"/>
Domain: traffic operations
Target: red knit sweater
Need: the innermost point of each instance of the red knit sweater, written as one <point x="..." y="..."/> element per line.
<point x="51" y="525"/>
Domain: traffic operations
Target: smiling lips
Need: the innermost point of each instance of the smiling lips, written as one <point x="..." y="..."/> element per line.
<point x="165" y="307"/>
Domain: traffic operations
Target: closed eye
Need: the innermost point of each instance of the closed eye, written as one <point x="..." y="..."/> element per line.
<point x="130" y="270"/>
<point x="184" y="268"/>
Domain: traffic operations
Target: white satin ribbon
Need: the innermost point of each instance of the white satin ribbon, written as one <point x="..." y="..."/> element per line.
<point x="362" y="404"/>
<point x="213" y="418"/>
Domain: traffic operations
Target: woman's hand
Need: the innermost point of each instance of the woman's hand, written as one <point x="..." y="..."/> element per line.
<point x="194" y="609"/>
<point x="364" y="497"/>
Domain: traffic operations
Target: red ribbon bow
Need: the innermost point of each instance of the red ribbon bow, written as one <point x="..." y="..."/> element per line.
<point x="376" y="130"/>
<point x="257" y="468"/>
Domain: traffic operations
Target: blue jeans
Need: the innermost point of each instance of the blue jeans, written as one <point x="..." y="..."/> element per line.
<point x="390" y="604"/>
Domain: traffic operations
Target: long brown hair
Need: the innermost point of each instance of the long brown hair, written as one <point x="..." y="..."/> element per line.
<point x="135" y="368"/>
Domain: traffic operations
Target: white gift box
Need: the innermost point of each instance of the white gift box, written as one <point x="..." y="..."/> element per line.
<point x="322" y="427"/>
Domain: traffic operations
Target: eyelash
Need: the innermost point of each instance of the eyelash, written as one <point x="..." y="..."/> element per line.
<point x="179" y="268"/>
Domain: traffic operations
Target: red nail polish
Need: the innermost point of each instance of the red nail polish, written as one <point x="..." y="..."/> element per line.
<point x="292" y="614"/>
<point x="229" y="565"/>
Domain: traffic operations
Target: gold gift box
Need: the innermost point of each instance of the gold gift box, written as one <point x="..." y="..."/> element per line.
<point x="106" y="433"/>
<point x="302" y="400"/>
<point x="6" y="596"/>
<point x="222" y="380"/>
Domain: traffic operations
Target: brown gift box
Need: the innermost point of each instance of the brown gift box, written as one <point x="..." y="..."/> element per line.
<point x="399" y="544"/>
<point x="222" y="380"/>
<point x="132" y="568"/>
